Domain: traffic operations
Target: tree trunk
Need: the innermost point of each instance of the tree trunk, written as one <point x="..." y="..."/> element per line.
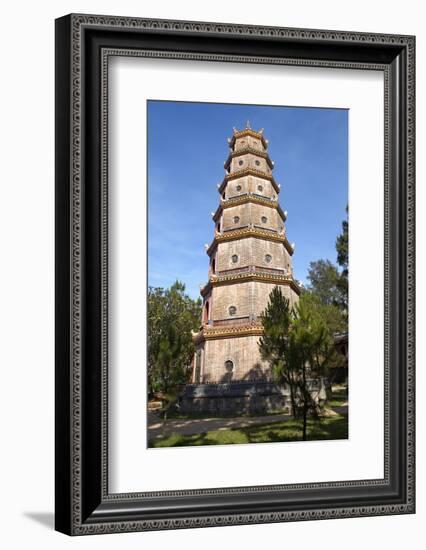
<point x="304" y="424"/>
<point x="305" y="398"/>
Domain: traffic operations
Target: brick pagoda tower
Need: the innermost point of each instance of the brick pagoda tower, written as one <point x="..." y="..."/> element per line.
<point x="249" y="256"/>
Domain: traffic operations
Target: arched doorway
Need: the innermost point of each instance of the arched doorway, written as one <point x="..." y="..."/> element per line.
<point x="229" y="371"/>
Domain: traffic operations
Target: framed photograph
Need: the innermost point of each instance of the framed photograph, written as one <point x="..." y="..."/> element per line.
<point x="234" y="274"/>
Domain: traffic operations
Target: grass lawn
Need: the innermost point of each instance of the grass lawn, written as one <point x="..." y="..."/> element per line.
<point x="338" y="398"/>
<point x="335" y="427"/>
<point x="336" y="402"/>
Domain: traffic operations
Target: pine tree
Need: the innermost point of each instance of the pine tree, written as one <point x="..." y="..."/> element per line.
<point x="342" y="248"/>
<point x="298" y="345"/>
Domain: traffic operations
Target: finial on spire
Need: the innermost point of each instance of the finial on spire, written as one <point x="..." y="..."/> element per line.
<point x="248" y="124"/>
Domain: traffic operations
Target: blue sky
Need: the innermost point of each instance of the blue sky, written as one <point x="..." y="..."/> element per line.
<point x="187" y="146"/>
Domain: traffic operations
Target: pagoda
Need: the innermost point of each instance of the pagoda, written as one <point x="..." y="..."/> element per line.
<point x="249" y="255"/>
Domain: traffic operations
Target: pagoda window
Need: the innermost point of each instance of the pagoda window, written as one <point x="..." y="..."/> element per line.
<point x="238" y="188"/>
<point x="229" y="365"/>
<point x="236" y="219"/>
<point x="264" y="219"/>
<point x="234" y="258"/>
<point x="257" y="162"/>
<point x="268" y="258"/>
<point x="240" y="162"/>
<point x="260" y="188"/>
<point x="197" y="377"/>
<point x="206" y="312"/>
<point x="232" y="310"/>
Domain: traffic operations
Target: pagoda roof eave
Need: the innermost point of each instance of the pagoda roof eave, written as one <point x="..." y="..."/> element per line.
<point x="281" y="213"/>
<point x="248" y="172"/>
<point x="258" y="276"/>
<point x="253" y="329"/>
<point x="248" y="198"/>
<point x="205" y="289"/>
<point x="246" y="233"/>
<point x="248" y="132"/>
<point x="251" y="151"/>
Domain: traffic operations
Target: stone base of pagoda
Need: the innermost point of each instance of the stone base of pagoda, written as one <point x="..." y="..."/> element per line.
<point x="234" y="398"/>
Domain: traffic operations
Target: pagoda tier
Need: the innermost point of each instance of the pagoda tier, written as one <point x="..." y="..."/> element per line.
<point x="249" y="255"/>
<point x="244" y="198"/>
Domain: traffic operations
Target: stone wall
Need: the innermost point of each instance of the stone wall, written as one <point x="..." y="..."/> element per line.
<point x="233" y="399"/>
<point x="248" y="141"/>
<point x="250" y="184"/>
<point x="244" y="214"/>
<point x="252" y="251"/>
<point x="249" y="299"/>
<point x="237" y="295"/>
<point x="244" y="354"/>
<point x="250" y="161"/>
<point x="261" y="292"/>
<point x="244" y="397"/>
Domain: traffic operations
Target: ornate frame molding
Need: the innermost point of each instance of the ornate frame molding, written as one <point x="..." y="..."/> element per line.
<point x="83" y="45"/>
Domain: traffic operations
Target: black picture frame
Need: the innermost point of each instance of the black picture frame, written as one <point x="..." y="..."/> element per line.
<point x="83" y="45"/>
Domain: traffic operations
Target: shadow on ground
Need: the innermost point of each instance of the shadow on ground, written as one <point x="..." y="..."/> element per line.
<point x="47" y="519"/>
<point x="332" y="428"/>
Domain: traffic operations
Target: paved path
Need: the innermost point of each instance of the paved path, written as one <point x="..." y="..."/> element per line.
<point x="156" y="427"/>
<point x="343" y="409"/>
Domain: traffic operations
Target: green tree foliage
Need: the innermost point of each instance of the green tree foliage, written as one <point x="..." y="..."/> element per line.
<point x="342" y="248"/>
<point x="324" y="291"/>
<point x="324" y="277"/>
<point x="172" y="315"/>
<point x="298" y="345"/>
<point x="330" y="284"/>
<point x="331" y="314"/>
